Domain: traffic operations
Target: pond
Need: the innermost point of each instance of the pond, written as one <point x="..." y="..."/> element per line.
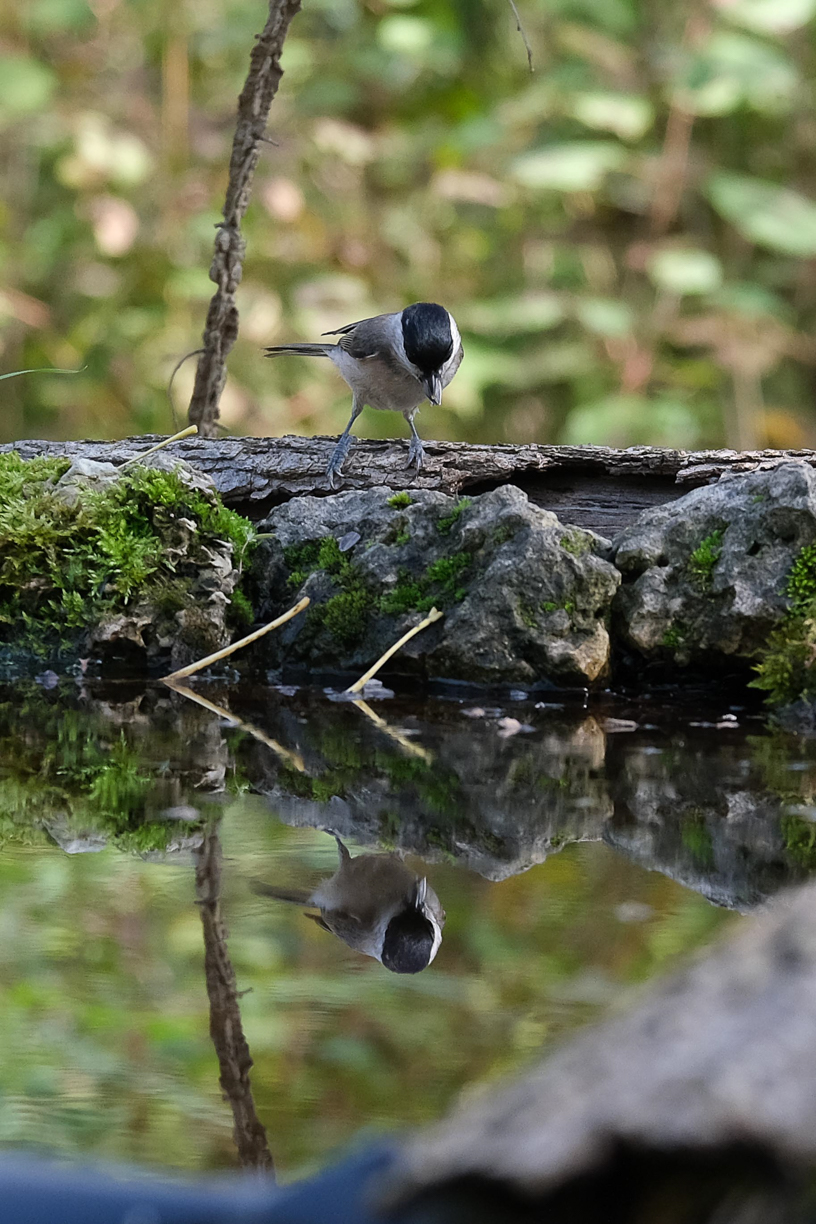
<point x="578" y="846"/>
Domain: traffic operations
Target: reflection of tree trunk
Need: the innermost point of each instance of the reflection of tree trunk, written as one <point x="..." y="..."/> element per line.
<point x="225" y="1017"/>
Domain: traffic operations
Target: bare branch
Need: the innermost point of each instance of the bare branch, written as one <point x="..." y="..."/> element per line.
<point x="521" y="31"/>
<point x="221" y="329"/>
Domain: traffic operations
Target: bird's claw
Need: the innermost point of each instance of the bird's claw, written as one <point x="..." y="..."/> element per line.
<point x="416" y="455"/>
<point x="337" y="460"/>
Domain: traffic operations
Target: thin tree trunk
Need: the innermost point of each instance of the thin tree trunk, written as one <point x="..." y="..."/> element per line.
<point x="221" y="329"/>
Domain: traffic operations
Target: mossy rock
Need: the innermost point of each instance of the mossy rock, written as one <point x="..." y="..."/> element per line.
<point x="139" y="563"/>
<point x="525" y="598"/>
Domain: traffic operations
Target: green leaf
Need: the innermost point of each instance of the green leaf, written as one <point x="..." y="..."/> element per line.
<point x="771" y="216"/>
<point x="605" y="316"/>
<point x="629" y="116"/>
<point x="769" y="16"/>
<point x="572" y="166"/>
<point x="632" y="420"/>
<point x="529" y="312"/>
<point x="685" y="271"/>
<point x="732" y="70"/>
<point x="27" y="86"/>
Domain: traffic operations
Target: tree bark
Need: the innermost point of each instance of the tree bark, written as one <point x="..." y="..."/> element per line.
<point x="221" y="329"/>
<point x="591" y="486"/>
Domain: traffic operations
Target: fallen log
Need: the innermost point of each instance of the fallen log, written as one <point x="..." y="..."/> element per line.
<point x="597" y="487"/>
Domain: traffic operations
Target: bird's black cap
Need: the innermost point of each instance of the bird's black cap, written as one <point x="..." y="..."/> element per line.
<point x="426" y="334"/>
<point x="408" y="943"/>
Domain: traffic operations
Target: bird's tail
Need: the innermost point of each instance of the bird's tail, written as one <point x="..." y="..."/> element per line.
<point x="293" y="895"/>
<point x="304" y="350"/>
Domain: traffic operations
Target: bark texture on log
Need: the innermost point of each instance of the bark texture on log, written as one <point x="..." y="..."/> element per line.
<point x="591" y="486"/>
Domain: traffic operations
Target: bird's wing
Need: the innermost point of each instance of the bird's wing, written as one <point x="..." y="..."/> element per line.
<point x="367" y="338"/>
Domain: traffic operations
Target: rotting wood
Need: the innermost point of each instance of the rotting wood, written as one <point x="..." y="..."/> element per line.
<point x="591" y="486"/>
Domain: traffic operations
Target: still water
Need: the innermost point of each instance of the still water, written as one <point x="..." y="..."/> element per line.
<point x="578" y="848"/>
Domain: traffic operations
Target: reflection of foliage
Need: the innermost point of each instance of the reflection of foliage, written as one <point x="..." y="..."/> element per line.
<point x="75" y="774"/>
<point x="800" y="840"/>
<point x="696" y="837"/>
<point x="617" y="235"/>
<point x="65" y="566"/>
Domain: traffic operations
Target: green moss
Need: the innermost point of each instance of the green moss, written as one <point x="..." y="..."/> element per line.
<point x="800" y="840"/>
<point x="344" y="615"/>
<point x="576" y="542"/>
<point x="403" y="537"/>
<point x="65" y="567"/>
<point x="527" y="614"/>
<point x="786" y="669"/>
<point x="440" y="586"/>
<point x="241" y="610"/>
<point x="800" y="586"/>
<point x="447" y="521"/>
<point x="705" y="556"/>
<point x="400" y="500"/>
<point x="674" y="636"/>
<point x="504" y="532"/>
<point x="567" y="606"/>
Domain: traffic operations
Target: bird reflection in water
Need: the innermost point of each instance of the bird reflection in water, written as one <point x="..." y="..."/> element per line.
<point x="377" y="906"/>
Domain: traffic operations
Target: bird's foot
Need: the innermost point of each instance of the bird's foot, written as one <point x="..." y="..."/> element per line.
<point x="335" y="468"/>
<point x="416" y="454"/>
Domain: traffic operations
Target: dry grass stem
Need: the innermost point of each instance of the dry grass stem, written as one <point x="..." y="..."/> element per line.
<point x="192" y="668"/>
<point x="184" y="433"/>
<point x="359" y="685"/>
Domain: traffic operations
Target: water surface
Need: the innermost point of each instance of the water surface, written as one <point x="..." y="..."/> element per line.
<point x="578" y="847"/>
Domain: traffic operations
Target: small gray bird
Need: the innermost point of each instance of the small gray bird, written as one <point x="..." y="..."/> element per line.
<point x="377" y="906"/>
<point x="391" y="362"/>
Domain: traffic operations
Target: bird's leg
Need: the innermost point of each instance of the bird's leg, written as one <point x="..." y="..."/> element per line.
<point x="416" y="451"/>
<point x="340" y="451"/>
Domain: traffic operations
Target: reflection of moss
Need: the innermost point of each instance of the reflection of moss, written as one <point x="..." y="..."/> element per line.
<point x="65" y="567"/>
<point x="68" y="773"/>
<point x="696" y="837"/>
<point x="705" y="556"/>
<point x="799" y="837"/>
<point x="447" y="521"/>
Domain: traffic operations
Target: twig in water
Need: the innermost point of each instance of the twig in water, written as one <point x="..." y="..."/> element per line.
<point x="192" y="668"/>
<point x="521" y="31"/>
<point x="359" y="685"/>
<point x="185" y="433"/>
<point x="293" y="759"/>
<point x="398" y="737"/>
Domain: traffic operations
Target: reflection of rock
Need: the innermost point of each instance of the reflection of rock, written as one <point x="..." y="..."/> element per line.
<point x="497" y="806"/>
<point x="70" y="839"/>
<point x="525" y="597"/>
<point x="704" y="816"/>
<point x="704" y="577"/>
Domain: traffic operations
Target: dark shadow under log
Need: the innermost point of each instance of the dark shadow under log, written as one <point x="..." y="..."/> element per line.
<point x="590" y="486"/>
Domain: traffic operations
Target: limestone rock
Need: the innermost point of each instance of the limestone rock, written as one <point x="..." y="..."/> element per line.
<point x="526" y="599"/>
<point x="705" y="576"/>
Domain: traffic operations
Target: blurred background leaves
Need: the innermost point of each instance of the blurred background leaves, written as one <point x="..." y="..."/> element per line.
<point x="627" y="237"/>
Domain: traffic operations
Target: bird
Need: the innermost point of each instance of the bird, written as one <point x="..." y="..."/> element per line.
<point x="391" y="362"/>
<point x="377" y="906"/>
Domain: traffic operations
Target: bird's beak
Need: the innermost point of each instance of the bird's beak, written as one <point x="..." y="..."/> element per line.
<point x="433" y="388"/>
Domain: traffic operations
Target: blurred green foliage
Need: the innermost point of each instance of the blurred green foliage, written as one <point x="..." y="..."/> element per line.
<point x="626" y="237"/>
